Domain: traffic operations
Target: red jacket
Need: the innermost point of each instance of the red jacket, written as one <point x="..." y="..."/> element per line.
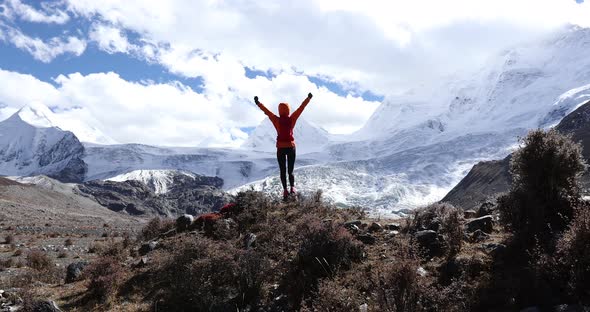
<point x="284" y="123"/>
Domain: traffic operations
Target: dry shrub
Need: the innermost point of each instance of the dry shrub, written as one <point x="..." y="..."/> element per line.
<point x="104" y="278"/>
<point x="398" y="287"/>
<point x="68" y="242"/>
<point x="17" y="253"/>
<point x="114" y="249"/>
<point x="545" y="173"/>
<point x="325" y="249"/>
<point x="443" y="218"/>
<point x="39" y="260"/>
<point x="206" y="275"/>
<point x="573" y="255"/>
<point x="333" y="295"/>
<point x="96" y="248"/>
<point x="155" y="227"/>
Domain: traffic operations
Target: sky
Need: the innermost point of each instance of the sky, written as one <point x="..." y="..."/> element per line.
<point x="184" y="72"/>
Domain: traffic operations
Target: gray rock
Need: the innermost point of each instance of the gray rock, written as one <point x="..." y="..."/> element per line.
<point x="353" y="229"/>
<point x="45" y="306"/>
<point x="394" y="226"/>
<point x="184" y="222"/>
<point x="469" y="214"/>
<point x="74" y="271"/>
<point x="141" y="262"/>
<point x="485" y="224"/>
<point x="479" y="236"/>
<point x="375" y="227"/>
<point x="250" y="240"/>
<point x="354" y="222"/>
<point x="367" y="239"/>
<point x="148" y="247"/>
<point x="430" y="241"/>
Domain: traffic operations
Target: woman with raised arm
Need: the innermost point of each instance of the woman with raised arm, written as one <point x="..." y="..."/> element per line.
<point x="284" y="125"/>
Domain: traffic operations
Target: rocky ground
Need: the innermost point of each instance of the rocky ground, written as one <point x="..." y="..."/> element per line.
<point x="270" y="230"/>
<point x="55" y="221"/>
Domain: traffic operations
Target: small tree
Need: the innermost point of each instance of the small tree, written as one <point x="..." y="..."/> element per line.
<point x="545" y="173"/>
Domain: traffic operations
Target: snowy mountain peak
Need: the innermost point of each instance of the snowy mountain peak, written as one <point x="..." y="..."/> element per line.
<point x="39" y="115"/>
<point x="36" y="114"/>
<point x="30" y="145"/>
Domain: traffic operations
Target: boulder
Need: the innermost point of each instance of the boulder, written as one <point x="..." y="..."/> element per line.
<point x="44" y="306"/>
<point x="493" y="248"/>
<point x="141" y="262"/>
<point x="469" y="214"/>
<point x="147" y="247"/>
<point x="430" y="241"/>
<point x="394" y="226"/>
<point x="485" y="224"/>
<point x="353" y="229"/>
<point x="375" y="227"/>
<point x="184" y="222"/>
<point x="479" y="236"/>
<point x="74" y="271"/>
<point x="354" y="222"/>
<point x="367" y="239"/>
<point x="250" y="240"/>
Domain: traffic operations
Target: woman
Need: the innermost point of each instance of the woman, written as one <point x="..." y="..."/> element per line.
<point x="284" y="125"/>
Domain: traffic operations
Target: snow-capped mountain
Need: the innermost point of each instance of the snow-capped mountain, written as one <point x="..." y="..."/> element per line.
<point x="309" y="138"/>
<point x="39" y="115"/>
<point x="413" y="150"/>
<point x="417" y="146"/>
<point x="31" y="145"/>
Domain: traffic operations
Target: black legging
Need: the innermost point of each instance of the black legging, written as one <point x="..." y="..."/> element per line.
<point x="289" y="154"/>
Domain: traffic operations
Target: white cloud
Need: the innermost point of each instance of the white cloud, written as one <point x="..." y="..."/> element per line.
<point x="110" y="39"/>
<point x="170" y="114"/>
<point x="44" y="51"/>
<point x="49" y="14"/>
<point x="383" y="46"/>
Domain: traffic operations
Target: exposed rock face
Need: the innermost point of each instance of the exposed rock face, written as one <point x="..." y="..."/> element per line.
<point x="184" y="195"/>
<point x="485" y="179"/>
<point x="489" y="178"/>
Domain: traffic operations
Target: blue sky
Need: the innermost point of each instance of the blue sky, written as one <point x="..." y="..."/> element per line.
<point x="183" y="72"/>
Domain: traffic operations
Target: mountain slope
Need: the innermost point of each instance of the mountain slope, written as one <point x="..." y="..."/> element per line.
<point x="30" y="145"/>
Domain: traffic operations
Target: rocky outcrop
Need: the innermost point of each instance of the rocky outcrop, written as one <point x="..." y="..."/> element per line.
<point x="186" y="195"/>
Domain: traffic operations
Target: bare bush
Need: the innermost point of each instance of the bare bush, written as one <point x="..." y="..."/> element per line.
<point x="104" y="278"/>
<point x="545" y="173"/>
